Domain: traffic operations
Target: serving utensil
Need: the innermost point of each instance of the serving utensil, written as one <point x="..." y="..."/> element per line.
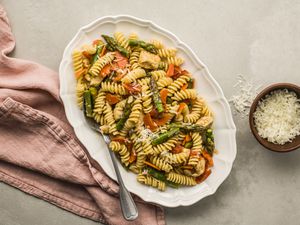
<point x="128" y="206"/>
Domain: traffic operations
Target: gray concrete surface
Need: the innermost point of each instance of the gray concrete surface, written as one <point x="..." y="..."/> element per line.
<point x="259" y="39"/>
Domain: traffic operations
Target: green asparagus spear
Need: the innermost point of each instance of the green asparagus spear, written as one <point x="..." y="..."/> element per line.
<point x="156" y="174"/>
<point x="126" y="113"/>
<point x="191" y="83"/>
<point x="161" y="176"/>
<point x="94" y="93"/>
<point x="113" y="45"/>
<point x="88" y="103"/>
<point x="96" y="55"/>
<point x="147" y="46"/>
<point x="156" y="96"/>
<point x="165" y="136"/>
<point x="187" y="127"/>
<point x="188" y="144"/>
<point x="169" y="100"/>
<point x="208" y="140"/>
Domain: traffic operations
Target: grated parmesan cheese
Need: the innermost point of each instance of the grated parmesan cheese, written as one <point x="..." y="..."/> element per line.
<point x="246" y="93"/>
<point x="145" y="134"/>
<point x="277" y="117"/>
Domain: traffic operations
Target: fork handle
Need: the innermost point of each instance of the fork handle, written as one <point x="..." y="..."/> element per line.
<point x="128" y="206"/>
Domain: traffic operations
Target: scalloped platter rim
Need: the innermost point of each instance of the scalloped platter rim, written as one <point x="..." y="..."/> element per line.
<point x="206" y="85"/>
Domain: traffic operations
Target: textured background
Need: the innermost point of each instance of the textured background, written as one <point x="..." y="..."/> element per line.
<point x="259" y="39"/>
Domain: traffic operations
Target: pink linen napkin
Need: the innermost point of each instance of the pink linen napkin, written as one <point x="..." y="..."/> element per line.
<point x="39" y="153"/>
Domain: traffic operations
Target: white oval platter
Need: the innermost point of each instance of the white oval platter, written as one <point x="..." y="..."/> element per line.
<point x="206" y="85"/>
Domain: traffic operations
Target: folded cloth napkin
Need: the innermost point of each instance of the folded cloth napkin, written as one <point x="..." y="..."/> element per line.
<point x="39" y="153"/>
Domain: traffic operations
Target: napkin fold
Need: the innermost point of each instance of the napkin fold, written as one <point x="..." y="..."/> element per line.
<point x="39" y="152"/>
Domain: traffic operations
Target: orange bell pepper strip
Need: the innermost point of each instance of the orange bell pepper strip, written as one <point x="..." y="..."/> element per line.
<point x="186" y="139"/>
<point x="166" y="117"/>
<point x="149" y="122"/>
<point x="151" y="165"/>
<point x="170" y="71"/>
<point x="163" y="95"/>
<point x="86" y="55"/>
<point x="133" y="88"/>
<point x="120" y="139"/>
<point x="105" y="70"/>
<point x="79" y="73"/>
<point x="177" y="149"/>
<point x="112" y="99"/>
<point x="181" y="107"/>
<point x="184" y="87"/>
<point x="203" y="177"/>
<point x="209" y="159"/>
<point x="96" y="42"/>
<point x="133" y="155"/>
<point x="121" y="60"/>
<point x="154" y="113"/>
<point x="103" y="51"/>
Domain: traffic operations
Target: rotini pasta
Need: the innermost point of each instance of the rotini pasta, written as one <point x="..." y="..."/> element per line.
<point x="164" y="82"/>
<point x="144" y="100"/>
<point x="147" y="99"/>
<point x="181" y="179"/>
<point x="158" y="74"/>
<point x="166" y="53"/>
<point x="175" y="61"/>
<point x="113" y="88"/>
<point x="196" y="111"/>
<point x="80" y="88"/>
<point x="134" y="58"/>
<point x="177" y="84"/>
<point x="158" y="44"/>
<point x="134" y="75"/>
<point x="160" y="163"/>
<point x="122" y="40"/>
<point x="100" y="63"/>
<point x="144" y="179"/>
<point x="122" y="150"/>
<point x="77" y="63"/>
<point x="185" y="94"/>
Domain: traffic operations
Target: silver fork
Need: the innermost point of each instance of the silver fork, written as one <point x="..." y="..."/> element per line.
<point x="128" y="206"/>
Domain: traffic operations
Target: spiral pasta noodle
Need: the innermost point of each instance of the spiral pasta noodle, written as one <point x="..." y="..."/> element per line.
<point x="113" y="88"/>
<point x="100" y="103"/>
<point x="122" y="150"/>
<point x="160" y="163"/>
<point x="181" y="179"/>
<point x="81" y="86"/>
<point x="147" y="99"/>
<point x="164" y="82"/>
<point x="158" y="74"/>
<point x="177" y="84"/>
<point x="196" y="111"/>
<point x="165" y="53"/>
<point x="134" y="75"/>
<point x="185" y="94"/>
<point x="77" y="62"/>
<point x="158" y="44"/>
<point x="175" y="60"/>
<point x="100" y="63"/>
<point x="196" y="149"/>
<point x="109" y="118"/>
<point x="147" y="180"/>
<point x="122" y="40"/>
<point x="133" y="36"/>
<point x="134" y="58"/>
<point x="166" y="146"/>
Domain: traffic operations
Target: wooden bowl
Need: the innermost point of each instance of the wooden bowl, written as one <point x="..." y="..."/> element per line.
<point x="290" y="146"/>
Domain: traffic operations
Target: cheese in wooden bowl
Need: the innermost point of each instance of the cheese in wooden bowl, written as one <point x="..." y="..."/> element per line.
<point x="275" y="117"/>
